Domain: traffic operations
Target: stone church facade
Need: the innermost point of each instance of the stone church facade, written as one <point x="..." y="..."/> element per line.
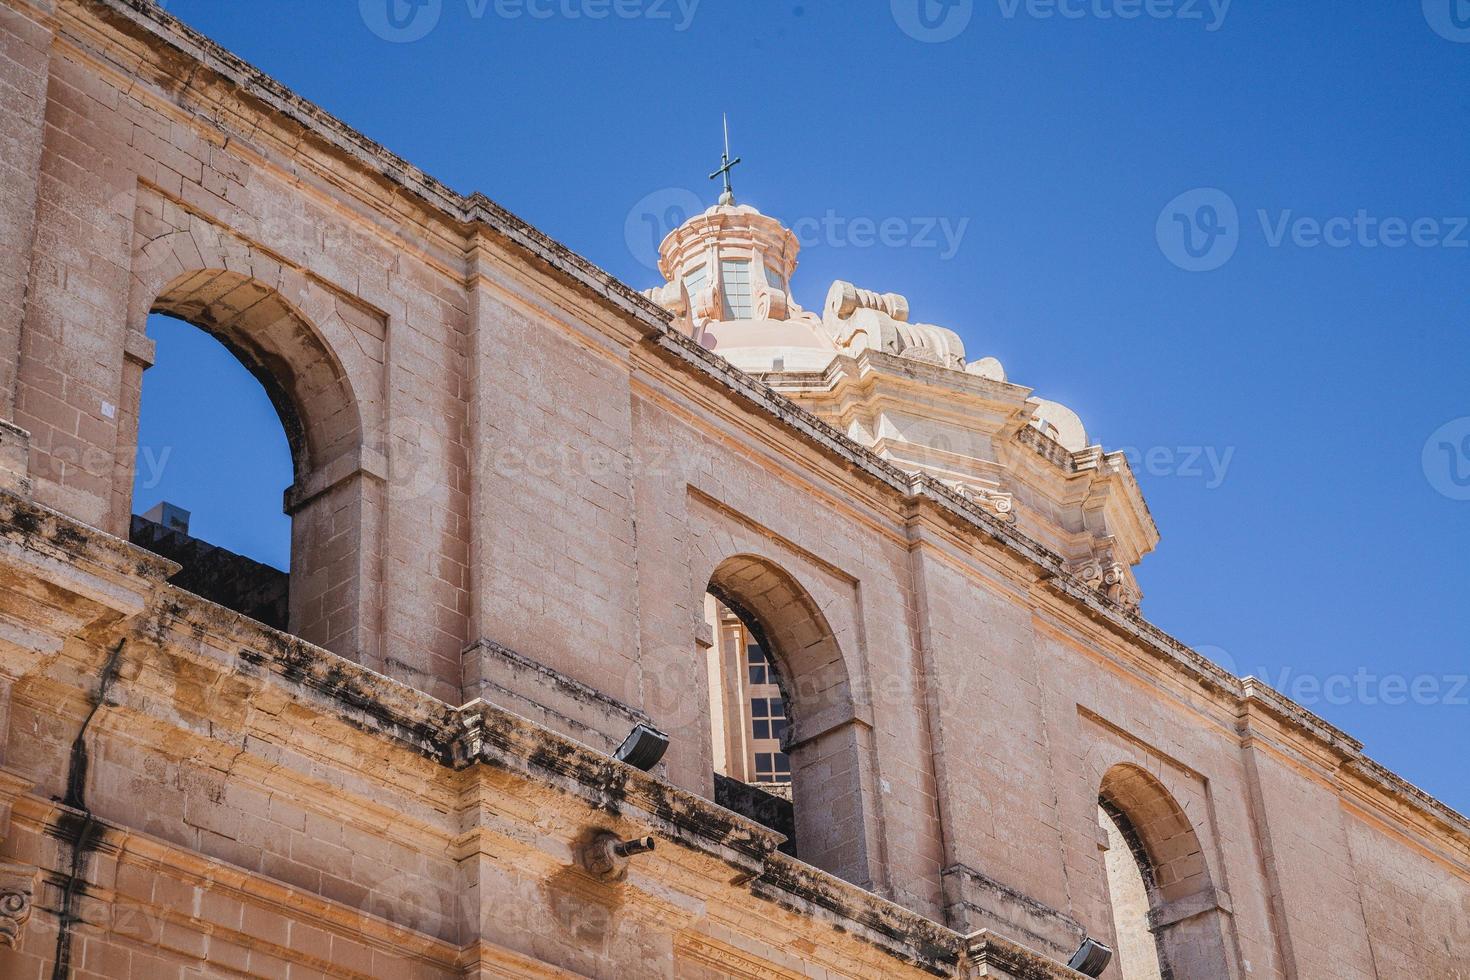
<point x="535" y="509"/>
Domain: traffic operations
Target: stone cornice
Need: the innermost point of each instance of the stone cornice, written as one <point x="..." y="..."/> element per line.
<point x="985" y="949"/>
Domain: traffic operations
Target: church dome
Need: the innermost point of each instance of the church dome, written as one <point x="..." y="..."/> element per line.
<point x="728" y="272"/>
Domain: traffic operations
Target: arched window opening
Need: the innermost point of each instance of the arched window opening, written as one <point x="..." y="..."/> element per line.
<point x="748" y="723"/>
<point x="1170" y="920"/>
<point x="212" y="463"/>
<point x="1130" y="881"/>
<point x="334" y="495"/>
<point x="788" y="731"/>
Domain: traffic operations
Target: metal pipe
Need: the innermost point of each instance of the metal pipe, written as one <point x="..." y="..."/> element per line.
<point x="638" y="845"/>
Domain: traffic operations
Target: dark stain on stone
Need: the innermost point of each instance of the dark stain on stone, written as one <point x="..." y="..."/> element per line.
<point x="583" y="908"/>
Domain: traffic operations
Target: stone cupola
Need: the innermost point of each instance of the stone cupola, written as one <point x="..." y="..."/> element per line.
<point x="728" y="273"/>
<point x="906" y="391"/>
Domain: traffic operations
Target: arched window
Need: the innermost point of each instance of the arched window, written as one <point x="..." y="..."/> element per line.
<point x="748" y="723"/>
<point x="788" y="745"/>
<point x="330" y="506"/>
<point x="212" y="464"/>
<point x="1169" y="918"/>
<point x="1130" y="886"/>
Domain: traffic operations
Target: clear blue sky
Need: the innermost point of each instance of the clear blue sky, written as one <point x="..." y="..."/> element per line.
<point x="1292" y="394"/>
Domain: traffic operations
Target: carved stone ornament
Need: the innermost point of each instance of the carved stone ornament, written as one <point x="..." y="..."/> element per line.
<point x="17" y="890"/>
<point x="1108" y="576"/>
<point x="1000" y="503"/>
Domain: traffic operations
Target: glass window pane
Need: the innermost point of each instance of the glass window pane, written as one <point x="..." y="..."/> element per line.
<point x="757" y="674"/>
<point x="735" y="276"/>
<point x="774" y="277"/>
<point x="696" y="279"/>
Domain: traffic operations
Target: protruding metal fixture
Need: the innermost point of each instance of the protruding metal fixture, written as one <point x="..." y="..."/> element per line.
<point x="643" y="747"/>
<point x="607" y="855"/>
<point x="1091" y="958"/>
<point x="728" y="197"/>
<point x="637" y="845"/>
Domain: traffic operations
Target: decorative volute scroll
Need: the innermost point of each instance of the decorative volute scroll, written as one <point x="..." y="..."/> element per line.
<point x="861" y="319"/>
<point x="844" y="299"/>
<point x="771" y="299"/>
<point x="17" y="896"/>
<point x="1000" y="503"/>
<point x="1101" y="571"/>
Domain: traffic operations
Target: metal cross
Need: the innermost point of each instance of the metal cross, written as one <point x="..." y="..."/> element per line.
<point x="728" y="197"/>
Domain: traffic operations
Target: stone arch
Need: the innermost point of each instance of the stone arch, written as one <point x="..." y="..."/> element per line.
<point x="1187" y="911"/>
<point x="828" y="741"/>
<point x="305" y="381"/>
<point x="337" y="491"/>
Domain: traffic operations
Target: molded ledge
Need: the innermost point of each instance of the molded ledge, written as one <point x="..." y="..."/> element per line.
<point x="1187" y="908"/>
<point x="502" y="676"/>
